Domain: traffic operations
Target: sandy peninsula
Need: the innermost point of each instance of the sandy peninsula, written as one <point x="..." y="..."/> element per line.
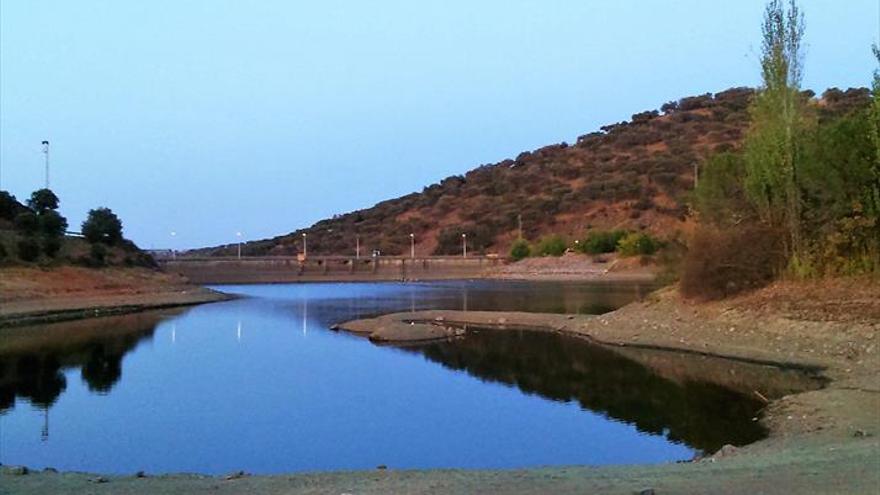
<point x="36" y="295"/>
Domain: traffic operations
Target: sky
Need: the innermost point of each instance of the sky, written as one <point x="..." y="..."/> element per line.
<point x="207" y="118"/>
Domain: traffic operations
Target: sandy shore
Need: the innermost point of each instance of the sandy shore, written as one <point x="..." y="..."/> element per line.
<point x="821" y="441"/>
<point x="33" y="295"/>
<point x="576" y="267"/>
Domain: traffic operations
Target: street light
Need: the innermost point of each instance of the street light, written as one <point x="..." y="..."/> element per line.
<point x="173" y="251"/>
<point x="357" y="247"/>
<point x="464" y="245"/>
<point x="412" y="246"/>
<point x="238" y="234"/>
<point x="305" y="248"/>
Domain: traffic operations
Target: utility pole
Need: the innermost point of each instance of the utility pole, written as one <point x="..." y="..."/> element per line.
<point x="464" y="245"/>
<point x="46" y="152"/>
<point x="357" y="247"/>
<point x="305" y="248"/>
<point x="412" y="246"/>
<point x="519" y="222"/>
<point x="238" y="234"/>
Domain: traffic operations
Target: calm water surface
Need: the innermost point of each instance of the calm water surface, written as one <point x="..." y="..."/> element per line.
<point x="261" y="384"/>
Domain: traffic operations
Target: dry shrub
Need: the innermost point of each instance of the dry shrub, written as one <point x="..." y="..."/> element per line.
<point x="720" y="263"/>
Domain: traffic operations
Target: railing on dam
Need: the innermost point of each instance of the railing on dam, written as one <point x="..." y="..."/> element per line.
<point x="266" y="269"/>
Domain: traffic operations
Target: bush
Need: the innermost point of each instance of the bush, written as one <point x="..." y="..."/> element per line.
<point x="551" y="245"/>
<point x="43" y="200"/>
<point x="520" y="249"/>
<point x="720" y="263"/>
<point x="636" y="244"/>
<point x="51" y="246"/>
<point x="98" y="254"/>
<point x="102" y="225"/>
<point x="27" y="223"/>
<point x="601" y="241"/>
<point x="28" y="249"/>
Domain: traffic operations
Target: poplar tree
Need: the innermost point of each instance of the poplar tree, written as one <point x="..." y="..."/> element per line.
<point x="779" y="120"/>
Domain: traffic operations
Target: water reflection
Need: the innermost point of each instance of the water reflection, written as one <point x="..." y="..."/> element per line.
<point x="701" y="402"/>
<point x="261" y="384"/>
<point x="33" y="359"/>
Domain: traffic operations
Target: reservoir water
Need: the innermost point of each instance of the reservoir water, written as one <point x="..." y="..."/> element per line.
<point x="261" y="384"/>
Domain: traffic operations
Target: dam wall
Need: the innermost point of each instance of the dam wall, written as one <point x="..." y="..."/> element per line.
<point x="281" y="269"/>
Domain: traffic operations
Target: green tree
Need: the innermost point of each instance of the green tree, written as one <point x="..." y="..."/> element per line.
<point x="102" y="225"/>
<point x="551" y="245"/>
<point x="719" y="198"/>
<point x="520" y="249"/>
<point x="779" y="121"/>
<point x="52" y="224"/>
<point x="638" y="244"/>
<point x="601" y="241"/>
<point x="871" y="194"/>
<point x="27" y="223"/>
<point x="43" y="200"/>
<point x="9" y="206"/>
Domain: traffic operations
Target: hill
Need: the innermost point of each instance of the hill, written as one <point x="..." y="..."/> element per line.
<point x="635" y="175"/>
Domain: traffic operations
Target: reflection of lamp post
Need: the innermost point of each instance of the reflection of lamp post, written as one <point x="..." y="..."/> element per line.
<point x="412" y="246"/>
<point x="305" y="249"/>
<point x="238" y="234"/>
<point x="464" y="245"/>
<point x="44" y="434"/>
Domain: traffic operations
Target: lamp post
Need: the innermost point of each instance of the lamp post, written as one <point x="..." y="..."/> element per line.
<point x="412" y="245"/>
<point x="46" y="152"/>
<point x="305" y="248"/>
<point x="357" y="247"/>
<point x="238" y="234"/>
<point x="464" y="245"/>
<point x="173" y="251"/>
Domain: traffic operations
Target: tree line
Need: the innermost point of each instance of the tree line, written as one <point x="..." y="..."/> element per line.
<point x="801" y="197"/>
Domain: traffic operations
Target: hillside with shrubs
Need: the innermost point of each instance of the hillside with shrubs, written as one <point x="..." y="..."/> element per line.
<point x="35" y="234"/>
<point x="636" y="176"/>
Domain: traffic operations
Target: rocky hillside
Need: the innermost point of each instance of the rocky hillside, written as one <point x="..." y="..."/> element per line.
<point x="635" y="175"/>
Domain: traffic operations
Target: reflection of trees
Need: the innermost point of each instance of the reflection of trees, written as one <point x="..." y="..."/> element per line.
<point x="102" y="370"/>
<point x="40" y="379"/>
<point x="32" y="363"/>
<point x="702" y="415"/>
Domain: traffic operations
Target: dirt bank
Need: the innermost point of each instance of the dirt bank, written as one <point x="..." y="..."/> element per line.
<point x="34" y="295"/>
<point x="577" y="267"/>
<point x="821" y="441"/>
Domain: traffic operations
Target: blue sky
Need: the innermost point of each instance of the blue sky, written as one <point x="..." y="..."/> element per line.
<point x="211" y="117"/>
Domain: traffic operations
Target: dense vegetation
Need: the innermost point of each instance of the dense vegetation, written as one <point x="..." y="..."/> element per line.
<point x="801" y="197"/>
<point x="37" y="233"/>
